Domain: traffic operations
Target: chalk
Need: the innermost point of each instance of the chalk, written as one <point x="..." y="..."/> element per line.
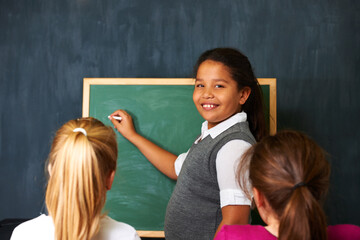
<point x="116" y="117"/>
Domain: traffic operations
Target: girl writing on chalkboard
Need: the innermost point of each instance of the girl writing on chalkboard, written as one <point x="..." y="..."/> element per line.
<point x="206" y="196"/>
<point x="81" y="167"/>
<point x="289" y="175"/>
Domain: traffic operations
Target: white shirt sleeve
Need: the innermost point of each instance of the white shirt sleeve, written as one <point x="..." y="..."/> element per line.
<point x="227" y="161"/>
<point x="179" y="162"/>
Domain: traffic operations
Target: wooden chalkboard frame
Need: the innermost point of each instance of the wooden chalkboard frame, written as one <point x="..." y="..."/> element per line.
<point x="88" y="82"/>
<point x="171" y="81"/>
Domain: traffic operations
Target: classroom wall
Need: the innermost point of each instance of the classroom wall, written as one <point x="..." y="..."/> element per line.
<point x="48" y="47"/>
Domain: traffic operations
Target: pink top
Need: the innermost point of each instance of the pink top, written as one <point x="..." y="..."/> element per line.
<point x="343" y="232"/>
<point x="240" y="232"/>
<point x="257" y="232"/>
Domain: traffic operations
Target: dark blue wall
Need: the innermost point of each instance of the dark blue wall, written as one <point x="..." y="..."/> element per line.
<point x="48" y="47"/>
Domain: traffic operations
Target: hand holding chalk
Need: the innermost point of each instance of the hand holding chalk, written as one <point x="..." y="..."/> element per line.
<point x="115" y="117"/>
<point x="124" y="123"/>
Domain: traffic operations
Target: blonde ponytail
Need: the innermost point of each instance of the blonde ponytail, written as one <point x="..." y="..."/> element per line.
<point x="80" y="164"/>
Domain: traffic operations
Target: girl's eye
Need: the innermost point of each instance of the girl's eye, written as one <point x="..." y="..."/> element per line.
<point x="219" y="86"/>
<point x="199" y="85"/>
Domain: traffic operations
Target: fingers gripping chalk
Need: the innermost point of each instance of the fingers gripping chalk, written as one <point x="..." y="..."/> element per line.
<point x="115" y="117"/>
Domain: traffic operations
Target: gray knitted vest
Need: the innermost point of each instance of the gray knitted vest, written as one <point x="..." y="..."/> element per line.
<point x="193" y="211"/>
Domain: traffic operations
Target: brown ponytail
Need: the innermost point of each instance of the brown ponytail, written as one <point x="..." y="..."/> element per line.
<point x="303" y="217"/>
<point x="293" y="174"/>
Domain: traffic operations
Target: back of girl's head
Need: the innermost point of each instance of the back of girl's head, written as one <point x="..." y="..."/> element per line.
<point x="80" y="163"/>
<point x="241" y="71"/>
<point x="292" y="172"/>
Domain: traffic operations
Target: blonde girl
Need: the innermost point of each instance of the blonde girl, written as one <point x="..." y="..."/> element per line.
<point x="81" y="167"/>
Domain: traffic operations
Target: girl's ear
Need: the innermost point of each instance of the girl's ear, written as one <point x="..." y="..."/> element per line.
<point x="49" y="169"/>
<point x="110" y="180"/>
<point x="258" y="197"/>
<point x="244" y="95"/>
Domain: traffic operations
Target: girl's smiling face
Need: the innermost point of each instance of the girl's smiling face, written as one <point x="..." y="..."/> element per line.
<point x="216" y="95"/>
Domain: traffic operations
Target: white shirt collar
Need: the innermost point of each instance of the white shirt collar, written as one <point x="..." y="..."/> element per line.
<point x="221" y="127"/>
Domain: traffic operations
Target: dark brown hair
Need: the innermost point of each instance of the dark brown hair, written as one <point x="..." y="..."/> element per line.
<point x="241" y="71"/>
<point x="292" y="172"/>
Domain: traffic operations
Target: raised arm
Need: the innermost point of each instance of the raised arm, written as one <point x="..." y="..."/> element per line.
<point x="159" y="157"/>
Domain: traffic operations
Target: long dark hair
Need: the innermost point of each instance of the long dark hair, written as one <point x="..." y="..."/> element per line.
<point x="292" y="172"/>
<point x="241" y="71"/>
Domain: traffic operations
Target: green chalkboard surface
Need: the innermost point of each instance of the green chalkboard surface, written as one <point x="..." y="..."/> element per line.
<point x="163" y="112"/>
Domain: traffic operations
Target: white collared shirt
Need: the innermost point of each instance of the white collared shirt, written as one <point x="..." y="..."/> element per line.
<point x="226" y="161"/>
<point x="42" y="228"/>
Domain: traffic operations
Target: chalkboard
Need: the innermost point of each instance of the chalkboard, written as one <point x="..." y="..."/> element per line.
<point x="163" y="111"/>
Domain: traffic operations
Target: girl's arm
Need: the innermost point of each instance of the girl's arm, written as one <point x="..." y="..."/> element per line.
<point x="159" y="157"/>
<point x="236" y="209"/>
<point x="234" y="214"/>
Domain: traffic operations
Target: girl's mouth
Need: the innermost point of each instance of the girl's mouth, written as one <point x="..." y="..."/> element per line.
<point x="208" y="106"/>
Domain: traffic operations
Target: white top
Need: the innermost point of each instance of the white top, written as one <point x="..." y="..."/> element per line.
<point x="226" y="161"/>
<point x="42" y="228"/>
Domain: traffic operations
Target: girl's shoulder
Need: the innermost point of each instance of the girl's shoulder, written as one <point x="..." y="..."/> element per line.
<point x="343" y="232"/>
<point x="112" y="229"/>
<point x="41" y="227"/>
<point x="242" y="232"/>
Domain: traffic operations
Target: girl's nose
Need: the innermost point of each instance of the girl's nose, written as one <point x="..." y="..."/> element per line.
<point x="208" y="93"/>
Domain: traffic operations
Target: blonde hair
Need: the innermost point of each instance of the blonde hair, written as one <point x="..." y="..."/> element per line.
<point x="80" y="165"/>
<point x="292" y="172"/>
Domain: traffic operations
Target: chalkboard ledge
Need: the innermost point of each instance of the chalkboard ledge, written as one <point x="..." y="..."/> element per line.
<point x="151" y="234"/>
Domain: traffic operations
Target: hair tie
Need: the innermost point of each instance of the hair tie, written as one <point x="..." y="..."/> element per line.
<point x="300" y="184"/>
<point x="80" y="130"/>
